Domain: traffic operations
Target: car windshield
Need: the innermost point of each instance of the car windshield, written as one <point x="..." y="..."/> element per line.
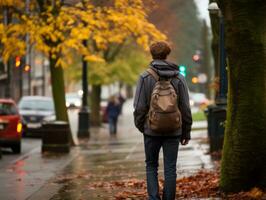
<point x="73" y="98"/>
<point x="8" y="109"/>
<point x="198" y="97"/>
<point x="34" y="104"/>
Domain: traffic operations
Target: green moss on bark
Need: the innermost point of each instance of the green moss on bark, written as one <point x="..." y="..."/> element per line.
<point x="244" y="151"/>
<point x="58" y="91"/>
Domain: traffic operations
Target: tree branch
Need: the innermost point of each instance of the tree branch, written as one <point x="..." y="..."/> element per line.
<point x="94" y="45"/>
<point x="115" y="52"/>
<point x="106" y="53"/>
<point x="41" y="5"/>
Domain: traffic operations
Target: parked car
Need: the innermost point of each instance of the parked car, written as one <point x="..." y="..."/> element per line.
<point x="73" y="100"/>
<point x="35" y="110"/>
<point x="199" y="100"/>
<point x="10" y="125"/>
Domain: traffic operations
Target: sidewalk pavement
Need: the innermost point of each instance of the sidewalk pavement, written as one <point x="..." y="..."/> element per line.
<point x="101" y="159"/>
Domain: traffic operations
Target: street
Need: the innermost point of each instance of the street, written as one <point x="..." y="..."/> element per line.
<point x="29" y="146"/>
<point x="34" y="176"/>
<point x="32" y="145"/>
<point x="23" y="174"/>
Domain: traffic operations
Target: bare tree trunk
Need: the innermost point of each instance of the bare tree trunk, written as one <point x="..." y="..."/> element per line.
<point x="96" y="105"/>
<point x="244" y="151"/>
<point x="207" y="69"/>
<point x="58" y="92"/>
<point x="129" y="91"/>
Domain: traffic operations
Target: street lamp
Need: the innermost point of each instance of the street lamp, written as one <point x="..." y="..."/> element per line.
<point x="216" y="114"/>
<point x="222" y="95"/>
<point x="214" y="8"/>
<point x="83" y="125"/>
<point x="6" y="21"/>
<point x="27" y="67"/>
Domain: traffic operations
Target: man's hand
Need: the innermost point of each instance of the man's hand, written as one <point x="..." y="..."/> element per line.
<point x="184" y="141"/>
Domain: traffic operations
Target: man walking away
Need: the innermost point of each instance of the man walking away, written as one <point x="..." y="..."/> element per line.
<point x="162" y="113"/>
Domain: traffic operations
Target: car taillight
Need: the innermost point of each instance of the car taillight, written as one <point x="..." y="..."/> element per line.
<point x="19" y="127"/>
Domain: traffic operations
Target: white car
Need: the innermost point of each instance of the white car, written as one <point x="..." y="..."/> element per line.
<point x="198" y="99"/>
<point x="73" y="100"/>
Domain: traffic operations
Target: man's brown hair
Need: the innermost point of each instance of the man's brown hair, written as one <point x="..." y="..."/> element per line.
<point x="160" y="50"/>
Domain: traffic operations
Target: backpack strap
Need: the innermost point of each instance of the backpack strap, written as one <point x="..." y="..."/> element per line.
<point x="154" y="74"/>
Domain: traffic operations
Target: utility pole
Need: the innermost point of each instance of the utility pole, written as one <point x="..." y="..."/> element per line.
<point x="83" y="126"/>
<point x="8" y="64"/>
<point x="19" y="62"/>
<point x="222" y="98"/>
<point x="28" y="50"/>
<point x="207" y="69"/>
<point x="43" y="76"/>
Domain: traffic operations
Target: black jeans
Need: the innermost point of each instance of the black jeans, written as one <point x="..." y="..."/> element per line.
<point x="170" y="150"/>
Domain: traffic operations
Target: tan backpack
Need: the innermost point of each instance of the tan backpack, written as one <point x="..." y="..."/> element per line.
<point x="164" y="114"/>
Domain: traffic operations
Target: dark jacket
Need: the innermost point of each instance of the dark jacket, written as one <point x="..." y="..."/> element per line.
<point x="143" y="96"/>
<point x="113" y="110"/>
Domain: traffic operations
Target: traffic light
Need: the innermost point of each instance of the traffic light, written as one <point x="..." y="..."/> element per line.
<point x="27" y="68"/>
<point x="196" y="58"/>
<point x="195" y="80"/>
<point x="17" y="61"/>
<point x="183" y="70"/>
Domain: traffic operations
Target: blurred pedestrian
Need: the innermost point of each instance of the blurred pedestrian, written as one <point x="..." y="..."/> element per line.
<point x="113" y="111"/>
<point x="162" y="113"/>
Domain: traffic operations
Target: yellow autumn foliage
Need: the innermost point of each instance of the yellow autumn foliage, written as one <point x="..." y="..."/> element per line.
<point x="10" y="38"/>
<point x="58" y="30"/>
<point x="17" y="3"/>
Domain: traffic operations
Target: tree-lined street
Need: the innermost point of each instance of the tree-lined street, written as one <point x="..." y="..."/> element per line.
<point x="100" y="160"/>
<point x="70" y="68"/>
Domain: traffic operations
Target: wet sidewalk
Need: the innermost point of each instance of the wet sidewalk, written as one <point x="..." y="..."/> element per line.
<point x="104" y="159"/>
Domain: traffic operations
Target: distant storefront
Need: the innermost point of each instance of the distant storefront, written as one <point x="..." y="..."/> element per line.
<point x="25" y="80"/>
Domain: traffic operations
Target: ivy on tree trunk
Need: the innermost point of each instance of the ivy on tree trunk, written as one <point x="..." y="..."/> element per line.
<point x="244" y="151"/>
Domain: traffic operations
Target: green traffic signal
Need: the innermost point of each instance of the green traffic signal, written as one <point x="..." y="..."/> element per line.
<point x="183" y="70"/>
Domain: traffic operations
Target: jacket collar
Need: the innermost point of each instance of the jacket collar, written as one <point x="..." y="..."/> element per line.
<point x="164" y="68"/>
